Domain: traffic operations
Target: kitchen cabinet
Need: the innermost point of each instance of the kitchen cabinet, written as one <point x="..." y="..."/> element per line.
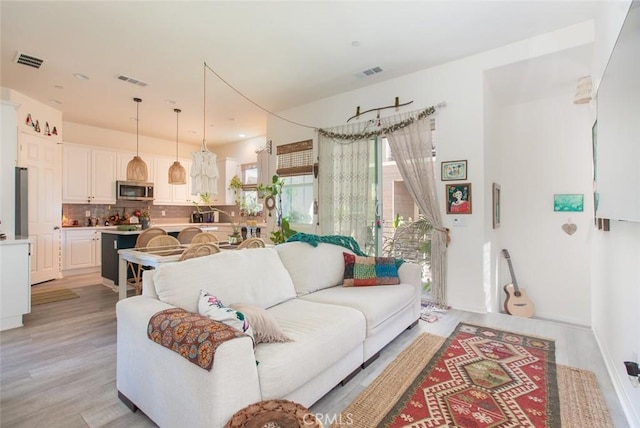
<point x="227" y="168"/>
<point x="15" y="293"/>
<point x="88" y="175"/>
<point x="171" y="194"/>
<point x="81" y="248"/>
<point x="123" y="159"/>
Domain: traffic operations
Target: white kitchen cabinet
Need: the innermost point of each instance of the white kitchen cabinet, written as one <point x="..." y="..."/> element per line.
<point x="81" y="248"/>
<point x="15" y="293"/>
<point x="123" y="159"/>
<point x="88" y="175"/>
<point x="227" y="168"/>
<point x="171" y="194"/>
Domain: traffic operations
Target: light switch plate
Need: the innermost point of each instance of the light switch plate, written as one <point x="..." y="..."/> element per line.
<point x="459" y="222"/>
<point x="87" y="213"/>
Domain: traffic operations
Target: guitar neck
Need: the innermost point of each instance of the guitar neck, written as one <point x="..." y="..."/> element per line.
<point x="513" y="274"/>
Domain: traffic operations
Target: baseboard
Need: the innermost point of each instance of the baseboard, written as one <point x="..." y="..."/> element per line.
<point x="130" y="404"/>
<point x="633" y="418"/>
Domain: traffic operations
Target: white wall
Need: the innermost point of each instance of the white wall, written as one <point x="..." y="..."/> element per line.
<point x="461" y="132"/>
<point x="8" y="161"/>
<point x="615" y="262"/>
<point x="545" y="149"/>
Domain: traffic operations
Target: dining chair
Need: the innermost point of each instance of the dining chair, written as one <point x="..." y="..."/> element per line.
<point x="199" y="250"/>
<point x="143" y="239"/>
<point x="251" y="243"/>
<point x="186" y="235"/>
<point x="165" y="241"/>
<point x="204" y="237"/>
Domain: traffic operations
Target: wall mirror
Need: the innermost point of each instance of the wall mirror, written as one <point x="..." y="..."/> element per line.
<point x="617" y="141"/>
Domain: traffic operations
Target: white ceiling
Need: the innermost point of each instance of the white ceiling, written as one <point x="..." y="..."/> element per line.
<point x="279" y="54"/>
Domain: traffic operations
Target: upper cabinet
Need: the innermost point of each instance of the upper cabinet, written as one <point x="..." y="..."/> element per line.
<point x="88" y="175"/>
<point x="171" y="194"/>
<point x="227" y="168"/>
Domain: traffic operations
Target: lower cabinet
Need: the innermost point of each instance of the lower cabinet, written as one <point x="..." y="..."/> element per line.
<point x="81" y="249"/>
<point x="15" y="293"/>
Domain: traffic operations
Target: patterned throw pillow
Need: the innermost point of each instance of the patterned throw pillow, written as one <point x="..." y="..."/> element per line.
<point x="211" y="307"/>
<point x="359" y="270"/>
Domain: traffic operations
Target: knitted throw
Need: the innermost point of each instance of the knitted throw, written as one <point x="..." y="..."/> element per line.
<point x="344" y="241"/>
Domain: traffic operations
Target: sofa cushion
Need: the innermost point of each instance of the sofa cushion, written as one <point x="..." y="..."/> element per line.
<point x="255" y="277"/>
<point x="211" y="307"/>
<point x="360" y="270"/>
<point x="368" y="301"/>
<point x="322" y="335"/>
<point x="265" y="327"/>
<point x="312" y="268"/>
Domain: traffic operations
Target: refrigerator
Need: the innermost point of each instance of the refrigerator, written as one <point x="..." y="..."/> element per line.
<point x="22" y="219"/>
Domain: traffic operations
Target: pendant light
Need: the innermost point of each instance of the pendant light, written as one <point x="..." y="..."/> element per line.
<point x="136" y="168"/>
<point x="177" y="173"/>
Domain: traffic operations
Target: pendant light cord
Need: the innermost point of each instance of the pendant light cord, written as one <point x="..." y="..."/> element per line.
<point x="204" y="108"/>
<point x="138" y="101"/>
<point x="177" y="110"/>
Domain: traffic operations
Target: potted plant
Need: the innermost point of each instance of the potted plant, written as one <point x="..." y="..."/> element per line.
<point x="282" y="230"/>
<point x="236" y="185"/>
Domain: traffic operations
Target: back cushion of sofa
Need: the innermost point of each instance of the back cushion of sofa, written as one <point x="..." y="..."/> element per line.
<point x="253" y="276"/>
<point x="313" y="268"/>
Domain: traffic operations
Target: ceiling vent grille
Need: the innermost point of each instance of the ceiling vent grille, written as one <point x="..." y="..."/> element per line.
<point x="370" y="71"/>
<point x="131" y="80"/>
<point x="30" y="60"/>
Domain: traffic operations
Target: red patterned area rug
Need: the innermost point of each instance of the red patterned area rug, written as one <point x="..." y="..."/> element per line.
<point x="479" y="377"/>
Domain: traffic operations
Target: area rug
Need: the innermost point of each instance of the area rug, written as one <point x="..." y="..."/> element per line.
<point x="42" y="297"/>
<point x="479" y="377"/>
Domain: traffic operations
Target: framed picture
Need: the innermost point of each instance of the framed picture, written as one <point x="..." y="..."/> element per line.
<point x="496" y="205"/>
<point x="454" y="170"/>
<point x="568" y="202"/>
<point x="459" y="198"/>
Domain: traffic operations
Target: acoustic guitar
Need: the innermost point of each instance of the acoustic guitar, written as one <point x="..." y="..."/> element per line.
<point x="517" y="302"/>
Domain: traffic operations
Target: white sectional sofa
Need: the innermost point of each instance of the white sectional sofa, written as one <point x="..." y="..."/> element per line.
<point x="335" y="330"/>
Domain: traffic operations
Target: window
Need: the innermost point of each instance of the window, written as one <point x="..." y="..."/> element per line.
<point x="297" y="199"/>
<point x="295" y="167"/>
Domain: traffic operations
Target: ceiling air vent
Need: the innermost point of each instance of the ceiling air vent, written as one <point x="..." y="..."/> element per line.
<point x="30" y="60"/>
<point x="370" y="72"/>
<point x="131" y="80"/>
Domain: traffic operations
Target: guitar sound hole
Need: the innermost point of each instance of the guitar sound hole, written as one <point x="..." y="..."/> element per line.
<point x="517" y="294"/>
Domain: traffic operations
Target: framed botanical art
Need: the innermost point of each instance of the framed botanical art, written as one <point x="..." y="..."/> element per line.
<point x="458" y="198"/>
<point x="496" y="205"/>
<point x="454" y="170"/>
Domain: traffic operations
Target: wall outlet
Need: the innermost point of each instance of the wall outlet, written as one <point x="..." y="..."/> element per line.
<point x="87" y="213"/>
<point x="164" y="213"/>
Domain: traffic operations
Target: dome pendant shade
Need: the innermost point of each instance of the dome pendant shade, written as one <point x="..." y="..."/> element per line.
<point x="136" y="168"/>
<point x="177" y="174"/>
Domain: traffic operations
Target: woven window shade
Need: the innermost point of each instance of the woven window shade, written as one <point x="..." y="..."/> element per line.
<point x="295" y="159"/>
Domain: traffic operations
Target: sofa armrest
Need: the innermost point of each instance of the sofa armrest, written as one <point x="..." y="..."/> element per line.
<point x="411" y="273"/>
<point x="171" y="390"/>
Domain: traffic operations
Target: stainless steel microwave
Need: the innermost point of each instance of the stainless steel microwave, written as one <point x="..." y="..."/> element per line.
<point x="134" y="191"/>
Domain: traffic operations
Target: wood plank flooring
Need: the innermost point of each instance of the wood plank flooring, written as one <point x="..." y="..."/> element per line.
<point x="59" y="369"/>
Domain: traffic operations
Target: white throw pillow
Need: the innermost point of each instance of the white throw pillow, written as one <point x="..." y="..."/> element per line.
<point x="313" y="268"/>
<point x="255" y="277"/>
<point x="210" y="306"/>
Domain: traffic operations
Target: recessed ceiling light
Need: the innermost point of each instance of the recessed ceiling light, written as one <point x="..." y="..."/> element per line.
<point x="232" y="119"/>
<point x="355" y="43"/>
<point x="192" y="132"/>
<point x="59" y="87"/>
<point x="241" y="135"/>
<point x="80" y="76"/>
<point x="52" y="101"/>
<point x="170" y="102"/>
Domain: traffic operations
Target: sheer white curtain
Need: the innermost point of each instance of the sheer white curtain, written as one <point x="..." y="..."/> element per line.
<point x="412" y="150"/>
<point x="344" y="181"/>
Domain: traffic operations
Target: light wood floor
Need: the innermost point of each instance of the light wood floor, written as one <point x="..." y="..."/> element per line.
<point x="59" y="369"/>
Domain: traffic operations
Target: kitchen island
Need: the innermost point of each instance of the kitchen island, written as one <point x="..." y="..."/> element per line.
<point x="114" y="240"/>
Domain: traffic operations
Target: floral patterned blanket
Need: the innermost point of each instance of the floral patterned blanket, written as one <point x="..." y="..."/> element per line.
<point x="193" y="336"/>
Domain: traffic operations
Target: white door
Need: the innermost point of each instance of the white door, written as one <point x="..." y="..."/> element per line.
<point x="42" y="157"/>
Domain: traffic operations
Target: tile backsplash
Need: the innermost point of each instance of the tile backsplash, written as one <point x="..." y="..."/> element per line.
<point x="172" y="213"/>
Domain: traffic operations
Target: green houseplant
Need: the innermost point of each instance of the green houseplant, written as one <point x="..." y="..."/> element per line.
<point x="282" y="230"/>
